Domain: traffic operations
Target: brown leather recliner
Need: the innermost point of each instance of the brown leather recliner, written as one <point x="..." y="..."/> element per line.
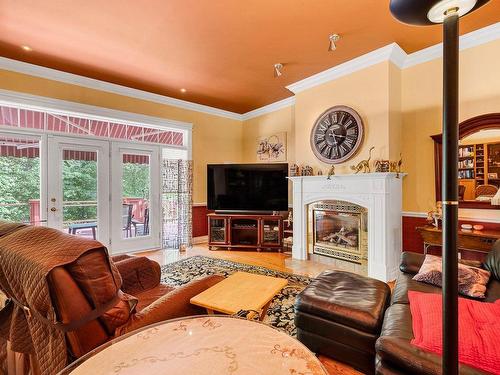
<point x="78" y="287"/>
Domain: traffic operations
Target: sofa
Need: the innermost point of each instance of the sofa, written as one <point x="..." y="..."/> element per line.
<point x="94" y="298"/>
<point x="357" y="320"/>
<point x="395" y="355"/>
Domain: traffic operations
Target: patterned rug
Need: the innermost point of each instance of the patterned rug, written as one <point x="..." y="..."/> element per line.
<point x="280" y="313"/>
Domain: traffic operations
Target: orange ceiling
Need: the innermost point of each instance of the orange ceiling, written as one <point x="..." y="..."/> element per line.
<point x="221" y="51"/>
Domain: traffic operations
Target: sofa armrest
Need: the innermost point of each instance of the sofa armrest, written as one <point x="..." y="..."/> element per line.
<point x="411" y="360"/>
<point x="172" y="305"/>
<point x="138" y="273"/>
<point x="411" y="262"/>
<point x="117" y="258"/>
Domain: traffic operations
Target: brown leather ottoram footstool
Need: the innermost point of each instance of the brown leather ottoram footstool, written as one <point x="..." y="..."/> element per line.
<point x="339" y="314"/>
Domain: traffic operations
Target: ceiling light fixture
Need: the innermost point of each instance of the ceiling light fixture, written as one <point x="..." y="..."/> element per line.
<point x="333" y="39"/>
<point x="27" y="48"/>
<point x="277" y="70"/>
<point x="183" y="90"/>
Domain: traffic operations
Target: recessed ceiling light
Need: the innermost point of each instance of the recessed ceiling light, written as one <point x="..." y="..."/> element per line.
<point x="27" y="48"/>
<point x="183" y="90"/>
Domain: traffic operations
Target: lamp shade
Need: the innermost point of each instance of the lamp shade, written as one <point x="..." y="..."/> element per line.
<point x="430" y="12"/>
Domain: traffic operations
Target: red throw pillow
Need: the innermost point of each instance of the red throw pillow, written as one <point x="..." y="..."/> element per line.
<point x="478" y="329"/>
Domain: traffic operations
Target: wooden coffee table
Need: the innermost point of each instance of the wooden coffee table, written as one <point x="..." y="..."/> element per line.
<point x="240" y="291"/>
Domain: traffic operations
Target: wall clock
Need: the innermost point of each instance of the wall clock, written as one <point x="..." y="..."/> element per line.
<point x="337" y="134"/>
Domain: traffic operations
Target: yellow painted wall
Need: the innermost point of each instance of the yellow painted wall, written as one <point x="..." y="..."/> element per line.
<point x="372" y="92"/>
<point x="421" y="113"/>
<point x="268" y="124"/>
<point x="215" y="139"/>
<point x="367" y="92"/>
<point x="401" y="109"/>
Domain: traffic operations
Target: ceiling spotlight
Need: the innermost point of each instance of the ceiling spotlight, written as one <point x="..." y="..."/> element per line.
<point x="183" y="90"/>
<point x="277" y="70"/>
<point x="333" y="38"/>
<point x="27" y="48"/>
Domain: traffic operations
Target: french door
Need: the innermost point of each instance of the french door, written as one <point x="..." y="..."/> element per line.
<point x="135" y="181"/>
<point x="78" y="192"/>
<point x="108" y="191"/>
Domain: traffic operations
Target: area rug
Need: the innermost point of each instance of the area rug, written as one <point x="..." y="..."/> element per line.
<point x="280" y="313"/>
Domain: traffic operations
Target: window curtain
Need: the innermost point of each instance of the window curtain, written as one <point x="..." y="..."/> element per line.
<point x="177" y="203"/>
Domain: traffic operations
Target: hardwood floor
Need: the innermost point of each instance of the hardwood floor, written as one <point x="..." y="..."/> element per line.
<point x="273" y="260"/>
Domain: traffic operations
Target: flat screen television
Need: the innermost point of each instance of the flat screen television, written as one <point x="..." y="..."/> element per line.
<point x="247" y="187"/>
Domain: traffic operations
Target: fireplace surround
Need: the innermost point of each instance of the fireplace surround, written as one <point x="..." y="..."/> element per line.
<point x="377" y="195"/>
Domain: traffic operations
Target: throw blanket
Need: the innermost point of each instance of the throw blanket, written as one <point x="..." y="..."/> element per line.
<point x="478" y="329"/>
<point x="27" y="255"/>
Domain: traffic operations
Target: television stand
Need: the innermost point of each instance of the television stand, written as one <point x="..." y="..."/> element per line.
<point x="245" y="231"/>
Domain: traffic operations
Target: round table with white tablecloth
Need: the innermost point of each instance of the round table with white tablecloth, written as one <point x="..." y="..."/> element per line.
<point x="201" y="345"/>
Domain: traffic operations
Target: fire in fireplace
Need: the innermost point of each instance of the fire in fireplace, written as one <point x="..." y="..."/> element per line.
<point x="339" y="230"/>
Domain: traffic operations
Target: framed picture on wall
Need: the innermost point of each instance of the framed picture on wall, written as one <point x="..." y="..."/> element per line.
<point x="272" y="148"/>
<point x="493" y="175"/>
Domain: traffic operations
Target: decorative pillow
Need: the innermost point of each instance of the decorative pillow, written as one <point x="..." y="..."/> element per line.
<point x="471" y="280"/>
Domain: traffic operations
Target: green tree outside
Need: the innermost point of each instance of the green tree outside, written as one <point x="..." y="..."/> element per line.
<point x="20" y="182"/>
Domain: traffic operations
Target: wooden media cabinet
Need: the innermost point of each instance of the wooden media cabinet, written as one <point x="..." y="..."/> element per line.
<point x="245" y="231"/>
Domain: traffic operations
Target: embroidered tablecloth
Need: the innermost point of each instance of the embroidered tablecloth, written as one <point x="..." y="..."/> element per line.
<point x="202" y="345"/>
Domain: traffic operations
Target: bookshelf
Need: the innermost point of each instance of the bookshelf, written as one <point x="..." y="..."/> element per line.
<point x="478" y="164"/>
<point x="479" y="157"/>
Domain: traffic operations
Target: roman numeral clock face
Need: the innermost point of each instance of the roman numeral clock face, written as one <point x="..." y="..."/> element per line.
<point x="337" y="135"/>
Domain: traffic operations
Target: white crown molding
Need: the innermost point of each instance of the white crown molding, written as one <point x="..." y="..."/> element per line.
<point x="64" y="107"/>
<point x="344" y="69"/>
<point x="469" y="40"/>
<point x="288" y="102"/>
<point x="74" y="79"/>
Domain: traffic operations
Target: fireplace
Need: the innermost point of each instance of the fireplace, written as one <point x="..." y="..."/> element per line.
<point x="339" y="230"/>
<point x="367" y="204"/>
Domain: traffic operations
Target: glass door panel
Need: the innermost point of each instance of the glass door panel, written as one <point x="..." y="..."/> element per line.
<point x="271" y="232"/>
<point x="78" y="187"/>
<point x="79" y="190"/>
<point x="136" y="185"/>
<point x="20" y="179"/>
<point x="136" y="204"/>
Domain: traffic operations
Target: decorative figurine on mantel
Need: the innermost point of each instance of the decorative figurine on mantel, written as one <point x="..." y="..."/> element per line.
<point x="320" y="172"/>
<point x="331" y="172"/>
<point x="307" y="171"/>
<point x="395" y="166"/>
<point x="363" y="165"/>
<point x="435" y="215"/>
<point x="294" y="170"/>
<point x="382" y="166"/>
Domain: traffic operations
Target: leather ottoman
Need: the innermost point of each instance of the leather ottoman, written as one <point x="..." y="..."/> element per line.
<point x="339" y="314"/>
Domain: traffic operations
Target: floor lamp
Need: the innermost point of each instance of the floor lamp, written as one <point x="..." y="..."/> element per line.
<point x="448" y="12"/>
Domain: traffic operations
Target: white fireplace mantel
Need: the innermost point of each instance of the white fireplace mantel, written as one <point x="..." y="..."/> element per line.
<point x="380" y="193"/>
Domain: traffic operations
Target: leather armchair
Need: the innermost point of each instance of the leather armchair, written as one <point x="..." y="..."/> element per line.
<point x="77" y="288"/>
